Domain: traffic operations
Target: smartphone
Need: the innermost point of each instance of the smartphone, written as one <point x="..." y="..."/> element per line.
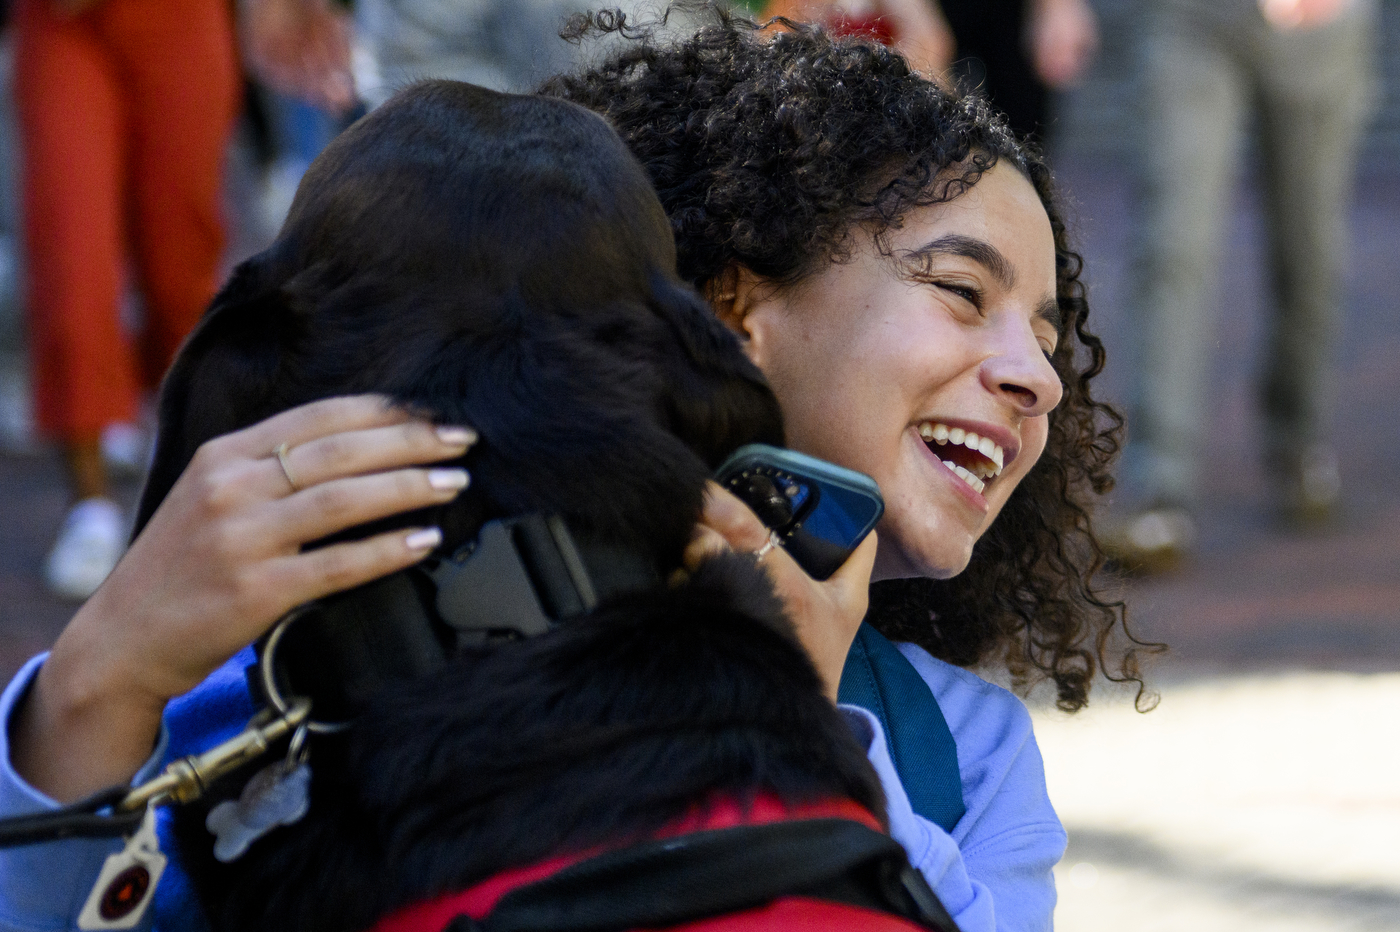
<point x="820" y="511"/>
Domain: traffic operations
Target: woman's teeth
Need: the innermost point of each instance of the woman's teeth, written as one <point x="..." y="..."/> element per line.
<point x="986" y="464"/>
<point x="977" y="484"/>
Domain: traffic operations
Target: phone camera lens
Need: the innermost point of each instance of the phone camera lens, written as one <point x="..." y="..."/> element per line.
<point x="773" y="508"/>
<point x="797" y="495"/>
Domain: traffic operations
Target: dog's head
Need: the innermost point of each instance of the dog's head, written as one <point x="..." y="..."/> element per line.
<point x="498" y="261"/>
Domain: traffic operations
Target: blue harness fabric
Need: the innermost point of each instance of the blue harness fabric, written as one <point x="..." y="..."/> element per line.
<point x="879" y="678"/>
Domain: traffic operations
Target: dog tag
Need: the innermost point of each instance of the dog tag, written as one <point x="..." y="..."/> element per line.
<point x="127" y="883"/>
<point x="277" y="795"/>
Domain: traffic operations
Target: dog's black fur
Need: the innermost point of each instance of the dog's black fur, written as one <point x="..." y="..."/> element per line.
<point x="500" y="261"/>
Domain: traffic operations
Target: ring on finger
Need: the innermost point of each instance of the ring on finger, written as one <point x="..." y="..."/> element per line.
<point x="284" y="460"/>
<point x="772" y="541"/>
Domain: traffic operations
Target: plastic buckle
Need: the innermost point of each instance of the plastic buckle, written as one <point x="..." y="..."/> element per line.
<point x="521" y="577"/>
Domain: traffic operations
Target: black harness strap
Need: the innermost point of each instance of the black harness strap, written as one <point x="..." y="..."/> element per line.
<point x="713" y="873"/>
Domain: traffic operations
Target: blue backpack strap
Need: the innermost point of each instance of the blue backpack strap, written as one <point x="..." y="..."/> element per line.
<point x="879" y="678"/>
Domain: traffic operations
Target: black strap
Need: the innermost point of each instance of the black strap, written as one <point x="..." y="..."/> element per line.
<point x="879" y="678"/>
<point x="520" y="578"/>
<point x="79" y="820"/>
<point x="718" y="872"/>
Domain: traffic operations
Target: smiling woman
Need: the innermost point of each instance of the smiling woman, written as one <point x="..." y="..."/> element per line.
<point x="897" y="264"/>
<point x="906" y="364"/>
<point x="898" y="261"/>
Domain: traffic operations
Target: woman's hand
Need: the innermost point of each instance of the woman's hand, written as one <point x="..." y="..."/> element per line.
<point x="1302" y="14"/>
<point x="300" y="48"/>
<point x="219" y="562"/>
<point x="1062" y="36"/>
<point x="825" y="614"/>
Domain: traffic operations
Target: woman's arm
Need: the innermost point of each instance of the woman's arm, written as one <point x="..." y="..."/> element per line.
<point x="1010" y="838"/>
<point x="220" y="561"/>
<point x="993" y="873"/>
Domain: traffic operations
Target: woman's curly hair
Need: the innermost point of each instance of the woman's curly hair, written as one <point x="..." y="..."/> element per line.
<point x="770" y="150"/>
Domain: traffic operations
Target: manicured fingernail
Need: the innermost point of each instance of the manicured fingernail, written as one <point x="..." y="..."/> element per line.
<point x="457" y="436"/>
<point x="426" y="539"/>
<point x="448" y="480"/>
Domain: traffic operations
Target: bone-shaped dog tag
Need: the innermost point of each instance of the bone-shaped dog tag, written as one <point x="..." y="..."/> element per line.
<point x="277" y="795"/>
<point x="127" y="883"/>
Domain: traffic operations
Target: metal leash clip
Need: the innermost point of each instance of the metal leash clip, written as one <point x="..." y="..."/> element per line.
<point x="180" y="782"/>
<point x="126" y="884"/>
<point x="188" y="778"/>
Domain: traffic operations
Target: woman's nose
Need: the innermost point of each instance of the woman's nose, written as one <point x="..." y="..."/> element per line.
<point x="1018" y="370"/>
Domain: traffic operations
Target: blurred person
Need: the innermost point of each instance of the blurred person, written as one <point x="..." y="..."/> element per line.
<point x="301" y="49"/>
<point x="319" y="63"/>
<point x="1302" y="73"/>
<point x="16" y="427"/>
<point x="916" y="27"/>
<point x="301" y="90"/>
<point x="501" y="44"/>
<point x="124" y="110"/>
<point x="1013" y="51"/>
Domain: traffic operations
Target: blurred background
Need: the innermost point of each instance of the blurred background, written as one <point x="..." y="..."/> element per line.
<point x="1263" y="792"/>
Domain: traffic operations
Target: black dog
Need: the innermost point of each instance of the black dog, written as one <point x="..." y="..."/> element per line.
<point x="500" y="261"/>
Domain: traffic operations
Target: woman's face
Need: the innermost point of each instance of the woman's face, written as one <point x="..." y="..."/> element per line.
<point x="891" y="364"/>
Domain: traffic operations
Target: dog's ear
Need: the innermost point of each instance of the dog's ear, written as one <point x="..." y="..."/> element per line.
<point x="223" y="376"/>
<point x="715" y="398"/>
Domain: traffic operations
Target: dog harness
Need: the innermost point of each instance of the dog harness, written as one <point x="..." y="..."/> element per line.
<point x="725" y="868"/>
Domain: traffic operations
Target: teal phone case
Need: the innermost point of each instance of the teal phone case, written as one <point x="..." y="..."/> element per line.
<point x="840" y="506"/>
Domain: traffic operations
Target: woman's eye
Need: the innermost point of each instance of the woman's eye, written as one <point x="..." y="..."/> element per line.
<point x="970" y="295"/>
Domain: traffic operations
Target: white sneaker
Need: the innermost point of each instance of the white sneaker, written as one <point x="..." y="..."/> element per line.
<point x="91" y="541"/>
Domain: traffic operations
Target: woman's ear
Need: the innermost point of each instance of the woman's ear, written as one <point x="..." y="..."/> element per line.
<point x="734" y="294"/>
<point x="722" y="293"/>
<point x="715" y="399"/>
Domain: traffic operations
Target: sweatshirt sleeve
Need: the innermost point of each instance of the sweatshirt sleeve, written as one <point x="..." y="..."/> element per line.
<point x="932" y="851"/>
<point x="1010" y="837"/>
<point x="43" y="887"/>
<point x="994" y="871"/>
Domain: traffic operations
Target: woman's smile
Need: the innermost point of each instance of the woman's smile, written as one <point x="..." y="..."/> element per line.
<point x="975" y="452"/>
<point x="923" y="362"/>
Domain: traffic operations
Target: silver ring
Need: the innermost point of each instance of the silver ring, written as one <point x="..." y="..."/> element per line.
<point x="284" y="460"/>
<point x="772" y="541"/>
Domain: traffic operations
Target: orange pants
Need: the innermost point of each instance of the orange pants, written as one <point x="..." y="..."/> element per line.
<point x="125" y="113"/>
